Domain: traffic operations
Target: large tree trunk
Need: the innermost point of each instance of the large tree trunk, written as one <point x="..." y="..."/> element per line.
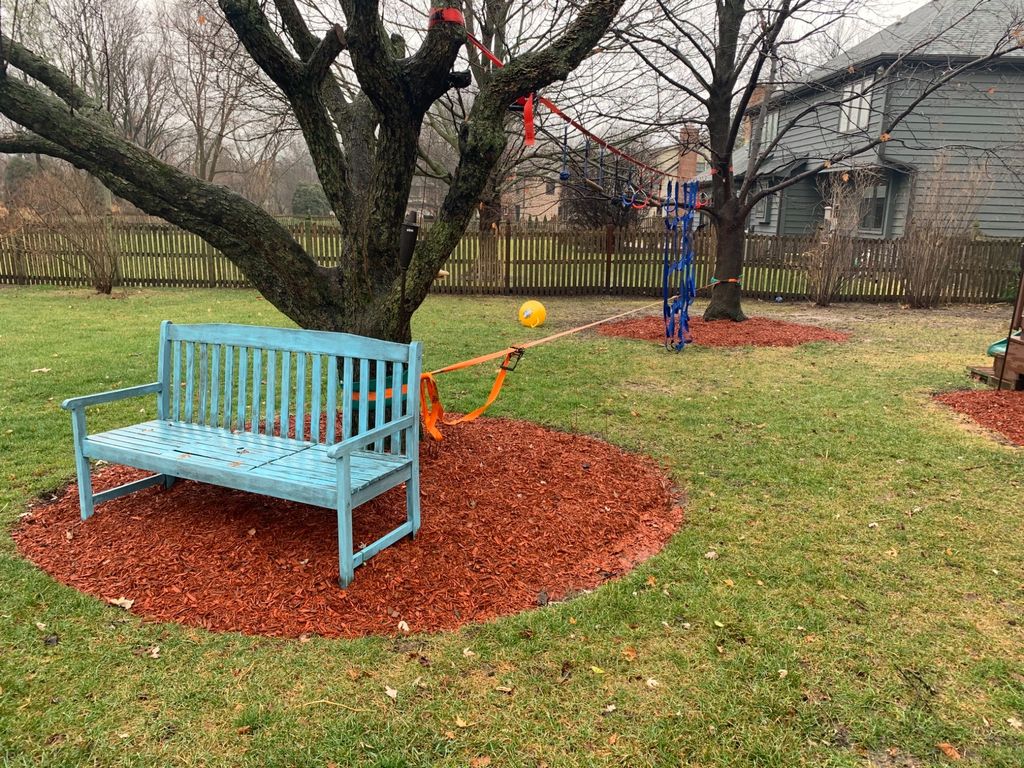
<point x="725" y="295"/>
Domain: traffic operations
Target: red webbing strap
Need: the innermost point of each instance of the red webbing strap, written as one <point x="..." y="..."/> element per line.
<point x="530" y="129"/>
<point x="450" y="15"/>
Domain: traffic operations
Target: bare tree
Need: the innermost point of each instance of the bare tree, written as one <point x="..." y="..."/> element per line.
<point x="67" y="205"/>
<point x="731" y="65"/>
<point x="106" y="48"/>
<point x="939" y="227"/>
<point x="371" y="122"/>
<point x="833" y="262"/>
<point x="210" y="88"/>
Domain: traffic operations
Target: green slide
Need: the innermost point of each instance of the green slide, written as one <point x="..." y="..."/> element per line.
<point x="999" y="347"/>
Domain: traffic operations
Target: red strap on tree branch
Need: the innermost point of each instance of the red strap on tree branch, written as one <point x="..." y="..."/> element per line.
<point x="530" y="129"/>
<point x="450" y="15"/>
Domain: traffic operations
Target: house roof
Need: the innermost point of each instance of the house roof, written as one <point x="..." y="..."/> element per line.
<point x="939" y="29"/>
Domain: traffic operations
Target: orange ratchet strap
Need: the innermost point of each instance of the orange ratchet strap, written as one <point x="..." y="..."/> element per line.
<point x="430" y="401"/>
<point x="431" y="409"/>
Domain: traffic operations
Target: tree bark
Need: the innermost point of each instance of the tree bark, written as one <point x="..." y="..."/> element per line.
<point x="726" y="292"/>
<point x="489" y="266"/>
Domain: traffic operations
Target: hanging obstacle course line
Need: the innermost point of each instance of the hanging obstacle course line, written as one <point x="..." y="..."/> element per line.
<point x="564" y="174"/>
<point x="454" y="16"/>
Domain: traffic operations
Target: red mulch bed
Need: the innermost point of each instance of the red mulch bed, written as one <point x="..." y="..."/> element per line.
<point x="755" y="332"/>
<point x="513" y="515"/>
<point x="1002" y="412"/>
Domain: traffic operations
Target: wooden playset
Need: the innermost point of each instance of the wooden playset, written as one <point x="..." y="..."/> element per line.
<point x="1007" y="370"/>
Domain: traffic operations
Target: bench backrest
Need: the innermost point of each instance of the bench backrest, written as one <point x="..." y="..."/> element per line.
<point x="308" y="385"/>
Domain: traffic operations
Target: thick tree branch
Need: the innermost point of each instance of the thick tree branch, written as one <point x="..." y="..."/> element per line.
<point x="325" y="54"/>
<point x="302" y="38"/>
<point x="375" y="66"/>
<point x="53" y="78"/>
<point x="229" y="220"/>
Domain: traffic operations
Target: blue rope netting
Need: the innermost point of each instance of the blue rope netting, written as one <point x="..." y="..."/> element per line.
<point x="678" y="257"/>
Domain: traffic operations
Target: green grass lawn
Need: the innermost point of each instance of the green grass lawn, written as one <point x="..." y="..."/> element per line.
<point x="866" y="604"/>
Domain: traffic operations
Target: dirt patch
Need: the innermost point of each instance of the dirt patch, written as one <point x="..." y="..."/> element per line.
<point x="1002" y="412"/>
<point x="513" y="516"/>
<point x="755" y="332"/>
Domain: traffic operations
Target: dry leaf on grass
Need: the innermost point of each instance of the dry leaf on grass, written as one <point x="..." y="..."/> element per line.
<point x="949" y="750"/>
<point x="122" y="602"/>
<point x="391" y="693"/>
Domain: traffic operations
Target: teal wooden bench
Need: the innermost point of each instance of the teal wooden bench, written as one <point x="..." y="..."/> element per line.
<point x="256" y="409"/>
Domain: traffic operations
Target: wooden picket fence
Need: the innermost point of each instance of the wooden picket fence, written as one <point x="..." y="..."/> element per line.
<point x="528" y="261"/>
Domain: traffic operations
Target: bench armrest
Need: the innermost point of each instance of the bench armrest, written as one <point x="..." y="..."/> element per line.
<point x="349" y="445"/>
<point x="108" y="397"/>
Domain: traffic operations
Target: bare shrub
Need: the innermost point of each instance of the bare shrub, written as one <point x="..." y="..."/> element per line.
<point x="941" y="224"/>
<point x="833" y="262"/>
<point x="72" y="208"/>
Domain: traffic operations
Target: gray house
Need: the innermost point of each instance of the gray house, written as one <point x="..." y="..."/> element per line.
<point x="965" y="138"/>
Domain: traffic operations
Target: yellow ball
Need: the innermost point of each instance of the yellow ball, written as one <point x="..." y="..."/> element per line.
<point x="532" y="314"/>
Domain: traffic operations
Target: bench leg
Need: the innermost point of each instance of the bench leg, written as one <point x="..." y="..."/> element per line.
<point x="346" y="564"/>
<point x="169" y="480"/>
<point x="412" y="501"/>
<point x="82" y="468"/>
<point x="345" y="561"/>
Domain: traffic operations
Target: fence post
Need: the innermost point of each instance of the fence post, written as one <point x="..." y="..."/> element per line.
<point x="210" y="282"/>
<point x="22" y="267"/>
<point x="609" y="251"/>
<point x="508" y="257"/>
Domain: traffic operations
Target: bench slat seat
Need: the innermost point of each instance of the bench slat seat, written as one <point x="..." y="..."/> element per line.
<point x="241" y="407"/>
<point x="206" y="454"/>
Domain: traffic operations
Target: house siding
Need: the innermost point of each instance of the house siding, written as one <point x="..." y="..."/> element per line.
<point x="899" y="198"/>
<point x="770" y="227"/>
<point x="802" y="210"/>
<point x="978" y="122"/>
<point x="817" y="135"/>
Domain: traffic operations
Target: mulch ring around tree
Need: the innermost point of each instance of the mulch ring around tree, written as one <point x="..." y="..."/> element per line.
<point x="755" y="332"/>
<point x="1002" y="412"/>
<point x="513" y="515"/>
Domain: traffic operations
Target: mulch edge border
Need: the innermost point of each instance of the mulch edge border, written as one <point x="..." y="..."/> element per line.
<point x="678" y="498"/>
<point x="966" y="420"/>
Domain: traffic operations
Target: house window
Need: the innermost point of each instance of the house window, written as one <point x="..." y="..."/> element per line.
<point x="702" y="165"/>
<point x="550" y="188"/>
<point x="872" y="207"/>
<point x="763" y="210"/>
<point x="855" y="110"/>
<point x="770" y="128"/>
